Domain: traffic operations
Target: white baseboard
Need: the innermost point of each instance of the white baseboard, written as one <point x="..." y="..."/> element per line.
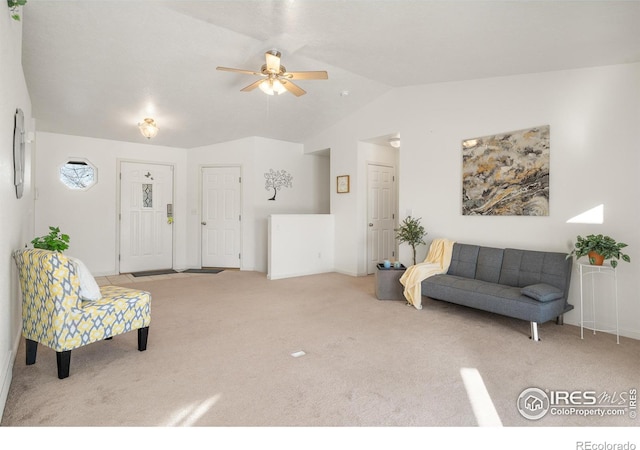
<point x="296" y="274"/>
<point x="346" y="272"/>
<point x="6" y="375"/>
<point x="6" y="372"/>
<point x="631" y="334"/>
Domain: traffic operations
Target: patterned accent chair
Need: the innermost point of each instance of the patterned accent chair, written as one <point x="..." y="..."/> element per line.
<point x="54" y="314"/>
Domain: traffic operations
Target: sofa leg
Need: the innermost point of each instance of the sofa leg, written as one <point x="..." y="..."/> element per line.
<point x="32" y="349"/>
<point x="560" y="319"/>
<point x="143" y="334"/>
<point x="64" y="361"/>
<point x="534" y="331"/>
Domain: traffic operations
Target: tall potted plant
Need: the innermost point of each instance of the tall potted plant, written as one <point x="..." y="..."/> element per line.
<point x="411" y="232"/>
<point x="599" y="248"/>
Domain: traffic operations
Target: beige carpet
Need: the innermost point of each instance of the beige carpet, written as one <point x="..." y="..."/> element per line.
<point x="220" y="350"/>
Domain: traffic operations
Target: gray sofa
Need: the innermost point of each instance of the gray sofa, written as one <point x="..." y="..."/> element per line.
<point x="523" y="284"/>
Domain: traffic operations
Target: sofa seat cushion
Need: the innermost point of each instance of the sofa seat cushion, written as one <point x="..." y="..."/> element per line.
<point x="118" y="311"/>
<point x="491" y="297"/>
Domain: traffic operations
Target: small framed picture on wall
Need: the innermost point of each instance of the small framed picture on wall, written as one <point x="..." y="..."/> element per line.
<point x="343" y="184"/>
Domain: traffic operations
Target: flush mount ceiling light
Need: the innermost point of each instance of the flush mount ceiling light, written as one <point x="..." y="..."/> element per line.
<point x="394" y="142"/>
<point x="148" y="128"/>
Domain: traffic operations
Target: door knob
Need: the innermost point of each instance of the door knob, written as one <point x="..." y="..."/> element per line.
<point x="370" y="224"/>
<point x="203" y="223"/>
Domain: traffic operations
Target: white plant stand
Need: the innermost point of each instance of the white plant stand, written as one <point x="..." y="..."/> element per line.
<point x="588" y="273"/>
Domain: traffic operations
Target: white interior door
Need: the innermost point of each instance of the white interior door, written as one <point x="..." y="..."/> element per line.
<point x="146" y="217"/>
<point x="221" y="217"/>
<point x="381" y="240"/>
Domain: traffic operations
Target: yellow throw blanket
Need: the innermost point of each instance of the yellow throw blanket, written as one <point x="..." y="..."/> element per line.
<point x="437" y="261"/>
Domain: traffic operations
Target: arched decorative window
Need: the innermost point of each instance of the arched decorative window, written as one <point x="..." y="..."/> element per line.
<point x="78" y="173"/>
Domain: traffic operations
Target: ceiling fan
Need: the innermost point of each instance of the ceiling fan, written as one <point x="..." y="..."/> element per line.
<point x="274" y="78"/>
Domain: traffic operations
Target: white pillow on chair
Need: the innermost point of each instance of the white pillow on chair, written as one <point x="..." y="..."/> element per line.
<point x="89" y="289"/>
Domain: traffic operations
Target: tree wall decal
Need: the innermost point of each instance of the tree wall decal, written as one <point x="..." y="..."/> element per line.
<point x="276" y="180"/>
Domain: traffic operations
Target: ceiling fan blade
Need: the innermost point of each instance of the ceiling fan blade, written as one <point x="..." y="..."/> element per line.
<point x="273" y="61"/>
<point x="248" y="72"/>
<point x="310" y="75"/>
<point x="293" y="88"/>
<point x="252" y="86"/>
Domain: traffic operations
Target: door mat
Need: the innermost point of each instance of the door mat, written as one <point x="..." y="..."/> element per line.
<point x="149" y="273"/>
<point x="205" y="270"/>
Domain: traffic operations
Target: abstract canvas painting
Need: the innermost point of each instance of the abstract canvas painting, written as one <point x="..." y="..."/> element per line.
<point x="506" y="174"/>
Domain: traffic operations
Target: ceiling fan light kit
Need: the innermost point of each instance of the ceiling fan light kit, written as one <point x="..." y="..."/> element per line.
<point x="275" y="79"/>
<point x="272" y="86"/>
<point x="148" y="128"/>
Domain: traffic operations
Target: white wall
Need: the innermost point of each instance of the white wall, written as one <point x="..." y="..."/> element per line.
<point x="299" y="244"/>
<point x="308" y="195"/>
<point x="350" y="152"/>
<point x="16" y="218"/>
<point x="593" y="114"/>
<point x="89" y="217"/>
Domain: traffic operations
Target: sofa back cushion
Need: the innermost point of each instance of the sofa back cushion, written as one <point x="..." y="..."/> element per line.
<point x="522" y="268"/>
<point x="489" y="264"/>
<point x="464" y="258"/>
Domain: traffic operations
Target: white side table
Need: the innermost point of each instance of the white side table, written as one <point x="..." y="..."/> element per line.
<point x="588" y="272"/>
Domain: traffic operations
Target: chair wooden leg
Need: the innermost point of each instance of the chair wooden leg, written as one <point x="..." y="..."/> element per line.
<point x="32" y="349"/>
<point x="64" y="361"/>
<point x="143" y="334"/>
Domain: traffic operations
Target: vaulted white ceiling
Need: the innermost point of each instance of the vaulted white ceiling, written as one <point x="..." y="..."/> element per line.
<point x="97" y="68"/>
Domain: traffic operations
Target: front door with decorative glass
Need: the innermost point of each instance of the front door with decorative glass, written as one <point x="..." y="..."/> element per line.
<point x="146" y="217"/>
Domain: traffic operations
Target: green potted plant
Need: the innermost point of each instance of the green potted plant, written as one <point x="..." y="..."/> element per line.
<point x="54" y="241"/>
<point x="599" y="248"/>
<point x="14" y="7"/>
<point x="411" y="232"/>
